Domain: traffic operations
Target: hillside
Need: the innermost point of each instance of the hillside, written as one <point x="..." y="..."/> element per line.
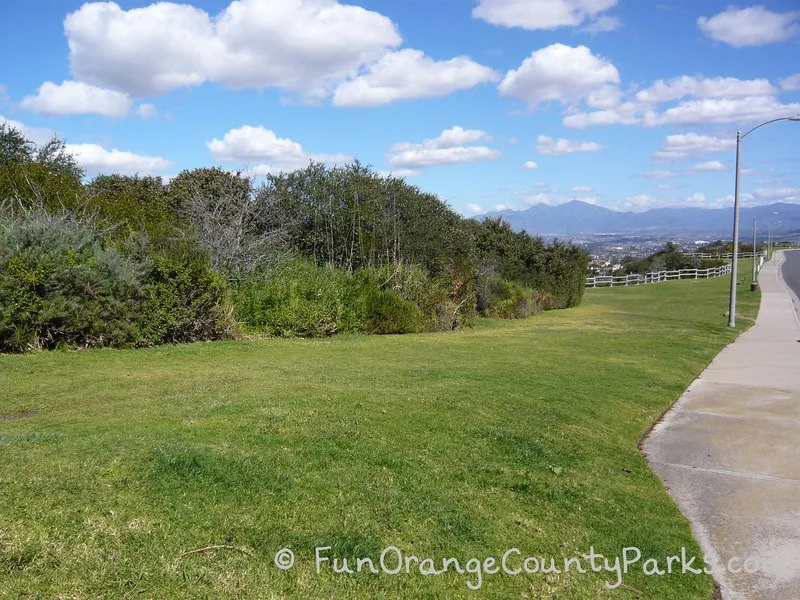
<point x="579" y="217"/>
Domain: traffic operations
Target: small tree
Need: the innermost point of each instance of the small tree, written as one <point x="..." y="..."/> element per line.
<point x="47" y="176"/>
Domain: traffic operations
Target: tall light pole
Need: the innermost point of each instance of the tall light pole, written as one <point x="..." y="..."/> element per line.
<point x="769" y="238"/>
<point x="735" y="263"/>
<point x="753" y="285"/>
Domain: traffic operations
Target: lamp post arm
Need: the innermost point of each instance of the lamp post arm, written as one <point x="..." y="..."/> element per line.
<point x="744" y="135"/>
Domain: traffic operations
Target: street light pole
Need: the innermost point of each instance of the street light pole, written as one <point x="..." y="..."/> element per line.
<point x="735" y="262"/>
<point x="755" y="270"/>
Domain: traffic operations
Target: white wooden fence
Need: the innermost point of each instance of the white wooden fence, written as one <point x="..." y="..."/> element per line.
<point x="625" y="280"/>
<point x="728" y="255"/>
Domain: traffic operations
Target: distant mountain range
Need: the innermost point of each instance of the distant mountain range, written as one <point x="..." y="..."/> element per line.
<point x="574" y="218"/>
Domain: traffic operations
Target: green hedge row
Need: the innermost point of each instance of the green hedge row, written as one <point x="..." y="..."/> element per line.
<point x="62" y="285"/>
<point x="303" y="299"/>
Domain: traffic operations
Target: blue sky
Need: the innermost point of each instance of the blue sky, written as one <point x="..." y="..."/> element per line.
<point x="488" y="103"/>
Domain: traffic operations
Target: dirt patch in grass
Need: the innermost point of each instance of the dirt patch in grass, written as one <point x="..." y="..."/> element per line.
<point x="18" y="415"/>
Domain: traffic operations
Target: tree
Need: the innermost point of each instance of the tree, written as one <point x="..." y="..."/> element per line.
<point x="47" y="176"/>
<point x="233" y="223"/>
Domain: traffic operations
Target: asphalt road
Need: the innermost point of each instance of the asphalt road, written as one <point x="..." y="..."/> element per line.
<point x="791" y="271"/>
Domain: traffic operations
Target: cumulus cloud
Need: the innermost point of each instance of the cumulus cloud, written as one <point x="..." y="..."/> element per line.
<point x="38" y="135"/>
<point x="603" y="24"/>
<point x="560" y="73"/>
<point x="544" y="14"/>
<point x="683" y="145"/>
<point x="264" y="150"/>
<point x="409" y="74"/>
<point x="638" y="203"/>
<point x="451" y="147"/>
<point x="555" y="147"/>
<point x="704" y="87"/>
<point x="695" y="101"/>
<point x="698" y="199"/>
<point x="727" y="110"/>
<point x="303" y="46"/>
<point x="94" y="159"/>
<point x="707" y="167"/>
<point x="777" y="195"/>
<point x="791" y="83"/>
<point x="530" y="165"/>
<point x="147" y="111"/>
<point x="76" y="98"/>
<point x="657" y="175"/>
<point x="475" y="209"/>
<point x="753" y="26"/>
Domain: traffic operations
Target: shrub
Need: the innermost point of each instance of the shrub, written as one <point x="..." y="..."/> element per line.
<point x="185" y="301"/>
<point x="61" y="284"/>
<point x="302" y="299"/>
<point x="509" y="300"/>
<point x="297" y="299"/>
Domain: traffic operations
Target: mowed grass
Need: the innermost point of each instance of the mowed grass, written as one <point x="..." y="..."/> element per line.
<point x="114" y="464"/>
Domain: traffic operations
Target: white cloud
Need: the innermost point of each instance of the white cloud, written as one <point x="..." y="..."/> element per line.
<point x="531" y="198"/>
<point x="264" y="150"/>
<point x="791" y="83"/>
<point x="708" y="167"/>
<point x="447" y="149"/>
<point x="604" y="98"/>
<point x="561" y="73"/>
<point x="603" y="24"/>
<point x="303" y="46"/>
<point x="725" y="110"/>
<point x="409" y="74"/>
<point x="581" y="190"/>
<point x="147" y="111"/>
<point x="638" y="203"/>
<point x="680" y="146"/>
<point x="541" y="14"/>
<point x="475" y="209"/>
<point x="694" y="101"/>
<point x="76" y="98"/>
<point x="96" y="159"/>
<point x="554" y="147"/>
<point x="530" y="165"/>
<point x="627" y="113"/>
<point x="403" y="173"/>
<point x="701" y="87"/>
<point x="750" y="109"/>
<point x="753" y="26"/>
<point x="697" y="199"/>
<point x="38" y="135"/>
<point x="657" y="175"/>
<point x="778" y="195"/>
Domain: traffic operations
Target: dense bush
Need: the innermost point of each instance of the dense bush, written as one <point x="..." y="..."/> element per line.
<point x="302" y="299"/>
<point x="141" y="262"/>
<point x="61" y="284"/>
<point x="556" y="274"/>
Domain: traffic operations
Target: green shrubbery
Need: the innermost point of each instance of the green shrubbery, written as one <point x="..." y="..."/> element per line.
<point x="132" y="261"/>
<point x="303" y="299"/>
<point x="62" y="284"/>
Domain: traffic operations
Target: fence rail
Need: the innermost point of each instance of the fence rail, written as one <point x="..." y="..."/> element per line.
<point x="728" y="255"/>
<point x="611" y="281"/>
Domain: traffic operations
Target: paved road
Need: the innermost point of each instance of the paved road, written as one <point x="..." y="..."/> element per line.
<point x="791" y="270"/>
<point x="729" y="450"/>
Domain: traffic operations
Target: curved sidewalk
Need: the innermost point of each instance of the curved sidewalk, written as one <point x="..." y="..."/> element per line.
<point x="729" y="451"/>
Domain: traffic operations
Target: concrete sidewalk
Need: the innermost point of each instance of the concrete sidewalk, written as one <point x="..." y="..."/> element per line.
<point x="729" y="451"/>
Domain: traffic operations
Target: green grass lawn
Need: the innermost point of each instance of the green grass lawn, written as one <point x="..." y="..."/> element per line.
<point x="512" y="435"/>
